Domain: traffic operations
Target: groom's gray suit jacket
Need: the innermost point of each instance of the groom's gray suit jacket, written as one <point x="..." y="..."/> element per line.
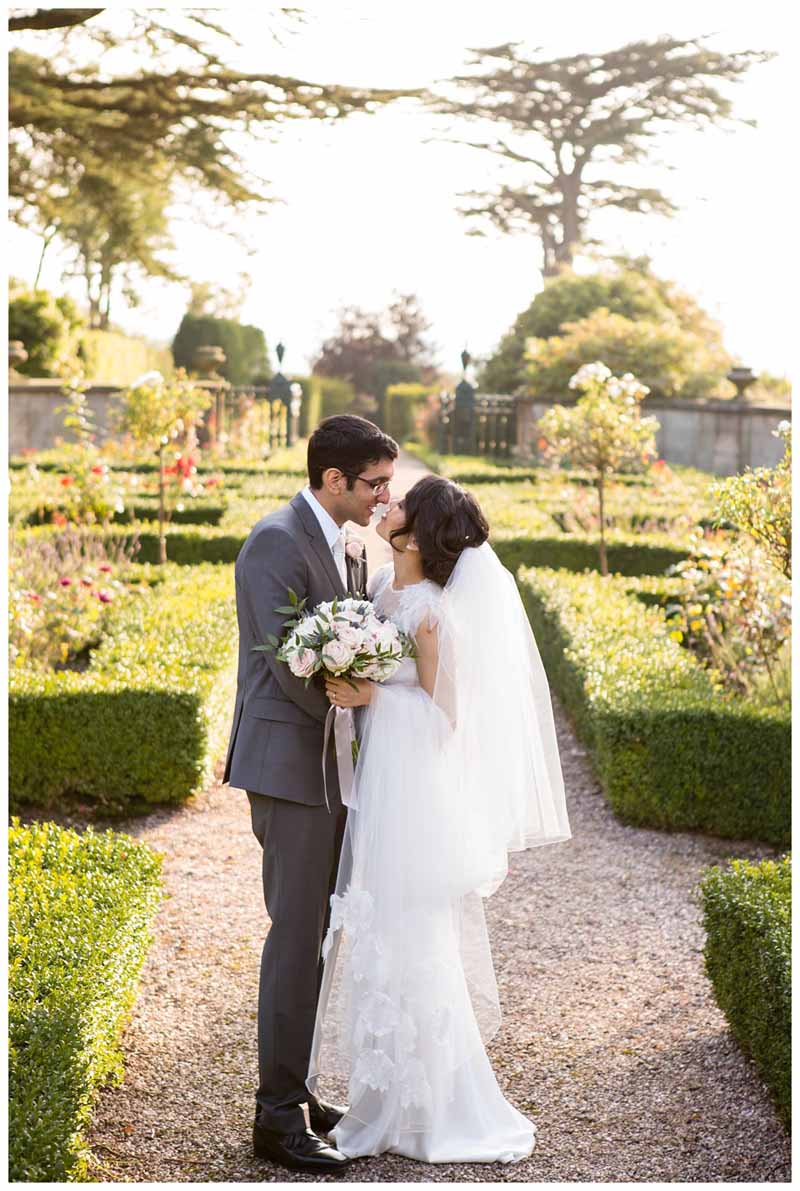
<point x="277" y="735"/>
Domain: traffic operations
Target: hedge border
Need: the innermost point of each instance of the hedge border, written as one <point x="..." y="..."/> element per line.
<point x="747" y="917"/>
<point x="144" y="723"/>
<point x="668" y="751"/>
<point x="80" y="908"/>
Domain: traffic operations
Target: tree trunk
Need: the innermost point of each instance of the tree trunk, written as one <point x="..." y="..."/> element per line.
<point x="601" y="498"/>
<point x="46" y="242"/>
<point x="162" y="512"/>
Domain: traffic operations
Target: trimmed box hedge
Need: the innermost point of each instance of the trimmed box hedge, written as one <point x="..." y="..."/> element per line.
<point x="80" y="908"/>
<point x="627" y="554"/>
<point x="670" y="751"/>
<point x="747" y="914"/>
<point x="144" y="723"/>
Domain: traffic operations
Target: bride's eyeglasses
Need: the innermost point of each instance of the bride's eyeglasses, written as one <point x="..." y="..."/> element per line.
<point x="378" y="486"/>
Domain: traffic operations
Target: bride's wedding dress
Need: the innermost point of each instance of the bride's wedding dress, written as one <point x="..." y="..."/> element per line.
<point x="409" y="998"/>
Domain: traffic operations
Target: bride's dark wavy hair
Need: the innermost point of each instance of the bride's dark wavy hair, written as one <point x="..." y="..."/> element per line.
<point x="445" y="520"/>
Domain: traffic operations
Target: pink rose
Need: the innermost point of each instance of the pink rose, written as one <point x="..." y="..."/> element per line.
<point x="354" y="548"/>
<point x="303" y="663"/>
<point x="336" y="656"/>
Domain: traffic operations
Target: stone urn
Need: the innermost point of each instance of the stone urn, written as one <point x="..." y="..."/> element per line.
<point x="207" y="360"/>
<point x="740" y="378"/>
<point x="16" y="355"/>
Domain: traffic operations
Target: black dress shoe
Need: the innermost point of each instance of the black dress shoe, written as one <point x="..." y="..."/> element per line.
<point x="298" y="1151"/>
<point x="324" y="1117"/>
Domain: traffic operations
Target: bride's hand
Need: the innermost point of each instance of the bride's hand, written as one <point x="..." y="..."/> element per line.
<point x="342" y="694"/>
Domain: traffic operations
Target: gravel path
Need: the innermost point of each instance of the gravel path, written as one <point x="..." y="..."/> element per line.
<point x="611" y="1040"/>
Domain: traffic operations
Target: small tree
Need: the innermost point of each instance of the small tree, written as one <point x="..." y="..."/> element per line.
<point x="156" y="413"/>
<point x="603" y="432"/>
<point x="759" y="501"/>
<point x="90" y="492"/>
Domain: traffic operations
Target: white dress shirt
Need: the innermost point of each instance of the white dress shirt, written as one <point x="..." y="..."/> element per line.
<point x="334" y="536"/>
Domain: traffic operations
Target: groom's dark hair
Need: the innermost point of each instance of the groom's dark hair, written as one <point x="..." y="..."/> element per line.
<point x="349" y="443"/>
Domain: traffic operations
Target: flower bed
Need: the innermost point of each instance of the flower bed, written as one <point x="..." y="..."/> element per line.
<point x="747" y="916"/>
<point x="145" y="720"/>
<point x="79" y="914"/>
<point x="670" y="749"/>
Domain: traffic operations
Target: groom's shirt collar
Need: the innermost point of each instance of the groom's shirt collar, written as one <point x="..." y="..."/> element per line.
<point x="327" y="524"/>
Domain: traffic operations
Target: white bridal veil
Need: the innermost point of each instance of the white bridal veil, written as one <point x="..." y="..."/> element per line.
<point x="446" y="787"/>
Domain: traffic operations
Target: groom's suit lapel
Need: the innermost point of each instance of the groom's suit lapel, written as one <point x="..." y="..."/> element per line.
<point x="316" y="538"/>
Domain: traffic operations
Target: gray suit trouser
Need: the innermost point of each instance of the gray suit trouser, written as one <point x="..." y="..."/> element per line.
<point x="301" y="846"/>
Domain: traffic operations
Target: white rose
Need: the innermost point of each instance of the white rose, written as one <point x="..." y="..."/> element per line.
<point x="303" y="663"/>
<point x="306" y="629"/>
<point x="354" y="548"/>
<point x="336" y="656"/>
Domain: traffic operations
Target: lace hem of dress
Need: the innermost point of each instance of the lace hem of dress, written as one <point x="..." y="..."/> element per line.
<point x="387" y="1035"/>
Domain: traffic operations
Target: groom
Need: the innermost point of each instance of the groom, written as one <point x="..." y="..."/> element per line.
<point x="275" y="754"/>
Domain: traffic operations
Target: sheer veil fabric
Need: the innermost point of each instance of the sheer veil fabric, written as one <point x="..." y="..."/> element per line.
<point x="446" y="787"/>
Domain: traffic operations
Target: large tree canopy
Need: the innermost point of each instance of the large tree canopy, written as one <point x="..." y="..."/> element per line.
<point x="181" y="104"/>
<point x="571" y="126"/>
<point x="99" y="152"/>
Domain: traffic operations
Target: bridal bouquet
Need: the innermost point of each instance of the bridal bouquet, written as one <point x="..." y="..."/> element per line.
<point x="345" y="638"/>
<point x="342" y="639"/>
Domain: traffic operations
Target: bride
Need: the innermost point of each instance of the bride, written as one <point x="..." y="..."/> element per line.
<point x="458" y="765"/>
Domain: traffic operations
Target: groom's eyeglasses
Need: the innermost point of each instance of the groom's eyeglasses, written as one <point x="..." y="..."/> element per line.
<point x="377" y="486"/>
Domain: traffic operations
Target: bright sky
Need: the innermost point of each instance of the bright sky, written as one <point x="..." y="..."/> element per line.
<point x="369" y="207"/>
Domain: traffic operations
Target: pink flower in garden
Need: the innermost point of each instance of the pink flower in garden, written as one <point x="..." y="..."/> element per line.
<point x="98" y="470"/>
<point x="105" y="597"/>
<point x="65" y="581"/>
<point x="67" y="480"/>
<point x="34" y="597"/>
<point x="86" y="582"/>
<point x="104" y="566"/>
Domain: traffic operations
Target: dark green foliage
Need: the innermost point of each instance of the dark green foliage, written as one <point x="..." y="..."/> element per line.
<point x="144" y="723"/>
<point x="193" y="513"/>
<point x="627" y="554"/>
<point x="79" y="913"/>
<point x="323" y="396"/>
<point x="748" y="922"/>
<point x="402" y="404"/>
<point x="244" y="346"/>
<point x="669" y="751"/>
<point x="188" y="547"/>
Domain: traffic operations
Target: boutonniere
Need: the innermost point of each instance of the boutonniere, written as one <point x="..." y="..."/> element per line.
<point x="353" y="547"/>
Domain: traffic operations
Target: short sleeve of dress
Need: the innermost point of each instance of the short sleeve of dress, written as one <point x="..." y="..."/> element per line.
<point x="421" y="605"/>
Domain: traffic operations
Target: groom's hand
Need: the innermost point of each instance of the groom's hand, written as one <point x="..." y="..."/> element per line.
<point x="341" y="692"/>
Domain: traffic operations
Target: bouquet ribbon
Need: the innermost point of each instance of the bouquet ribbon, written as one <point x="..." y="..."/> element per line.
<point x="344" y="735"/>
